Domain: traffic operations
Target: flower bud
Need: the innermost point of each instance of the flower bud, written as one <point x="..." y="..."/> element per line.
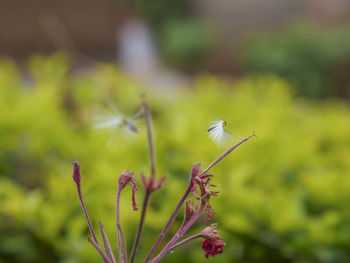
<point x="76" y="172"/>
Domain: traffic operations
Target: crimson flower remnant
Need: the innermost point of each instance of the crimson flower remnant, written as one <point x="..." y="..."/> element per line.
<point x="212" y="244"/>
<point x="199" y="186"/>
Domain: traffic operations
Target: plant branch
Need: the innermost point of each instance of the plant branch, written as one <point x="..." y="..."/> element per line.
<point x="120" y="234"/>
<point x="125" y="258"/>
<point x="98" y="248"/>
<point x="165" y="229"/>
<point x="85" y="212"/>
<point x="139" y="230"/>
<point x="185" y="241"/>
<point x="148" y="119"/>
<point x="224" y="154"/>
<point x="180" y="232"/>
<point x="106" y="243"/>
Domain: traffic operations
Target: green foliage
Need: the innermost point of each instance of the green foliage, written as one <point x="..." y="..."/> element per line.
<point x="283" y="196"/>
<point x="307" y="56"/>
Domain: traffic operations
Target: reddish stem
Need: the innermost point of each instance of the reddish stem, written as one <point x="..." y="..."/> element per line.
<point x="167" y="225"/>
<point x="180" y="233"/>
<point x="86" y="213"/>
<point x="185" y="241"/>
<point x="119" y="231"/>
<point x="139" y="230"/>
<point x="224" y="154"/>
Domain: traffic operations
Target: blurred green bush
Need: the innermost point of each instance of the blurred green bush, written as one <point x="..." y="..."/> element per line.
<point x="314" y="59"/>
<point x="284" y="197"/>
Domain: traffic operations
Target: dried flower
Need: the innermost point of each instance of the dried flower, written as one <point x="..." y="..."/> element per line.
<point x="210" y="213"/>
<point x="212" y="244"/>
<point x="218" y="133"/>
<point x="205" y="190"/>
<point x="152" y="185"/>
<point x="197" y="179"/>
<point x="127" y="178"/>
<point x="190" y="209"/>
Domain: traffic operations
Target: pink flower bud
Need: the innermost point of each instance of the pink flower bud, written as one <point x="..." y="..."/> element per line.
<point x="76" y="172"/>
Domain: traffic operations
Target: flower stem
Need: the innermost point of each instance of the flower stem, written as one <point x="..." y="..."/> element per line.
<point x="180" y="233"/>
<point x="85" y="212"/>
<point x="224" y="154"/>
<point x="185" y="241"/>
<point x="140" y="227"/>
<point x="165" y="229"/>
<point x="120" y="234"/>
<point x="106" y="243"/>
<point x="98" y="248"/>
<point x="148" y="119"/>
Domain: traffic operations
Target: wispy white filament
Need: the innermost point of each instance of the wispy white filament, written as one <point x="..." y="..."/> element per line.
<point x="108" y="123"/>
<point x="218" y="133"/>
<point x="114" y="121"/>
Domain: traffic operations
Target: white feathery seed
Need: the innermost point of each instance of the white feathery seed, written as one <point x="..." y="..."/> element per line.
<point x="218" y="133"/>
<point x="112" y="122"/>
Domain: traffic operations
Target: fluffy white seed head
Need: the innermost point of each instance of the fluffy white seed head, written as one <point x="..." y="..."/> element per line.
<point x="218" y="133"/>
<point x="114" y="122"/>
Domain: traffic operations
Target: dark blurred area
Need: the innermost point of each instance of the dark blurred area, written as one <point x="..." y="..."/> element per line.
<point x="91" y="26"/>
<point x="40" y="26"/>
<point x="190" y="36"/>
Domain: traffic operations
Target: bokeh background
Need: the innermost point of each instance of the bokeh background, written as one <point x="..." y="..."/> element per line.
<point x="280" y="68"/>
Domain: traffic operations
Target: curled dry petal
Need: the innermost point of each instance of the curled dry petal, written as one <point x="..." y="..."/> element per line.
<point x="190" y="210"/>
<point x="127" y="178"/>
<point x="210" y="213"/>
<point x="195" y="170"/>
<point x="213" y="248"/>
<point x="206" y="191"/>
<point x="197" y="179"/>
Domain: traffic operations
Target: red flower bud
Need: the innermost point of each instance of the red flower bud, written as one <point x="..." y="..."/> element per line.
<point x="76" y="172"/>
